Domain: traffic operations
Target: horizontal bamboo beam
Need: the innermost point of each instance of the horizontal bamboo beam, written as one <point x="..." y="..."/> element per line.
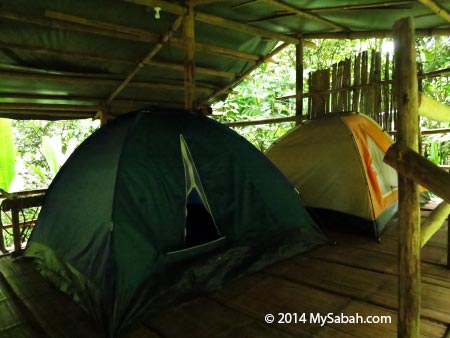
<point x="296" y="118"/>
<point x="123" y="101"/>
<point x="96" y="58"/>
<point x="216" y="20"/>
<point x="49" y="107"/>
<point x="418" y="168"/>
<point x="304" y="14"/>
<point x="94" y="81"/>
<point x="374" y="34"/>
<point x="206" y="2"/>
<point x="45" y="114"/>
<point x="119" y="32"/>
<point x="378" y="5"/>
<point x="143" y="35"/>
<point x="433" y="222"/>
<point x="436" y="8"/>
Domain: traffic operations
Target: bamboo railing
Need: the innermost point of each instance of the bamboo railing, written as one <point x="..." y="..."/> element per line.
<point x="14" y="205"/>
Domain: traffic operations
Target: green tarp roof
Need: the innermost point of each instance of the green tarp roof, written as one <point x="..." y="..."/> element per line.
<point x="64" y="59"/>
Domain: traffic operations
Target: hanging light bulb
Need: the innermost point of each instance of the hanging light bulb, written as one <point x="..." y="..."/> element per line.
<point x="157" y="10"/>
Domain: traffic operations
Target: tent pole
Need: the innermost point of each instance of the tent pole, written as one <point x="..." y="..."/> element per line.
<point x="406" y="94"/>
<point x="299" y="79"/>
<point x="189" y="63"/>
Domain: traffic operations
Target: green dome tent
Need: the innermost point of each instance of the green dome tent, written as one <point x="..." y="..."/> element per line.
<point x="155" y="205"/>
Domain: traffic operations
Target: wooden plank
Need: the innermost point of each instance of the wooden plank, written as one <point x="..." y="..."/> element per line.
<point x="378" y="261"/>
<point x="206" y="318"/>
<point x="387" y="329"/>
<point x="259" y="294"/>
<point x="44" y="303"/>
<point x="363" y="285"/>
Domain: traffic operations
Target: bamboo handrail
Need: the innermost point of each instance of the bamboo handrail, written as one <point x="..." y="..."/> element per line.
<point x="433" y="222"/>
<point x="296" y="118"/>
<point x="435" y="73"/>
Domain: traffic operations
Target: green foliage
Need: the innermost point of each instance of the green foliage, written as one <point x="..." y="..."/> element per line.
<point x="43" y="146"/>
<point x="7" y="155"/>
<point x="256" y="96"/>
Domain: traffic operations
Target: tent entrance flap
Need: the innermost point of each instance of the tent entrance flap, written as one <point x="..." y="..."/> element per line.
<point x="201" y="227"/>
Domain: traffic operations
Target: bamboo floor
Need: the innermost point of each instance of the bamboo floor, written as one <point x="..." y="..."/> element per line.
<point x="351" y="275"/>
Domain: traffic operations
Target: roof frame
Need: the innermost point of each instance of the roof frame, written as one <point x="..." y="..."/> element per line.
<point x="216" y="20"/>
<point x="164" y="39"/>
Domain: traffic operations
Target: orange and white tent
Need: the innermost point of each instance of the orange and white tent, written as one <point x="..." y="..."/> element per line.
<point x="336" y="163"/>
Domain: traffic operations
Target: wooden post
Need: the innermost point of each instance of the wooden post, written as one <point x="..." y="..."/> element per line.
<point x="189" y="65"/>
<point x="2" y="238"/>
<point x="406" y="94"/>
<point x="299" y="79"/>
<point x="104" y="117"/>
<point x="448" y="242"/>
<point x="16" y="229"/>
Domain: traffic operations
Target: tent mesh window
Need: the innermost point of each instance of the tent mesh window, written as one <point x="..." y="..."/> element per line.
<point x="200" y="225"/>
<point x="387" y="177"/>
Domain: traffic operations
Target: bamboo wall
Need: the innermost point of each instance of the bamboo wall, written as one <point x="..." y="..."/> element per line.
<point x="361" y="84"/>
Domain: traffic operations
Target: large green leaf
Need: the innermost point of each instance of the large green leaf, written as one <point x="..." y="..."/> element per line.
<point x="52" y="149"/>
<point x="7" y="154"/>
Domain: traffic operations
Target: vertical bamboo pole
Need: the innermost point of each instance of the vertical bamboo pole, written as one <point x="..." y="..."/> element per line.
<point x="364" y="81"/>
<point x="189" y="64"/>
<point x="406" y="96"/>
<point x="16" y="229"/>
<point x="448" y="241"/>
<point x="299" y="79"/>
<point x="386" y="97"/>
<point x="334" y="86"/>
<point x="347" y="83"/>
<point x="356" y="83"/>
